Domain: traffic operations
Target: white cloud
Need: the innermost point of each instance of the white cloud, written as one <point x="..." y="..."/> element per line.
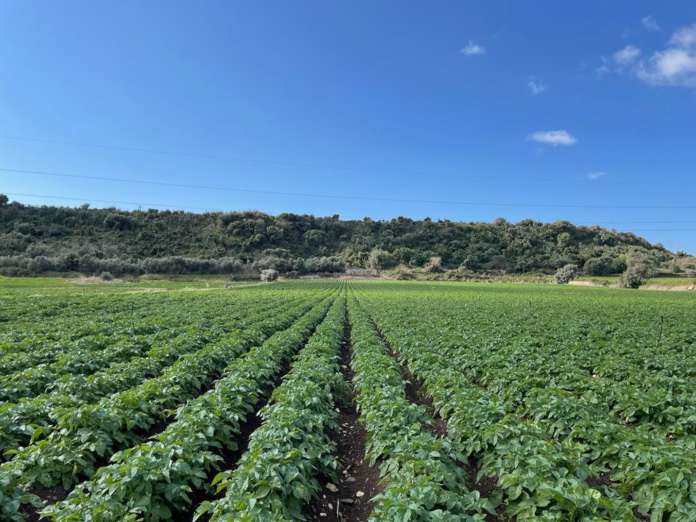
<point x="626" y="56"/>
<point x="594" y="176"/>
<point x="684" y="37"/>
<point x="650" y="23"/>
<point x="670" y="67"/>
<point x="553" y="137"/>
<point x="472" y="49"/>
<point x="675" y="65"/>
<point x="536" y="86"/>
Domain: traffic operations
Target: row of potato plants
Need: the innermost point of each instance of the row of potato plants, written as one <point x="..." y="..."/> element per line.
<point x="20" y="420"/>
<point x="83" y="438"/>
<point x="93" y="355"/>
<point x="158" y="478"/>
<point x="21" y="310"/>
<point x="649" y="461"/>
<point x="38" y="315"/>
<point x="74" y="335"/>
<point x="140" y="314"/>
<point x="422" y="475"/>
<point x="279" y="473"/>
<point x="39" y="339"/>
<point x="536" y="475"/>
<point x="541" y="440"/>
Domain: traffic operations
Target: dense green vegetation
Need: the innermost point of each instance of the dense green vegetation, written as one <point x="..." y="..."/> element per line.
<point x="64" y="434"/>
<point x="478" y="402"/>
<point x="576" y="405"/>
<point x="37" y="240"/>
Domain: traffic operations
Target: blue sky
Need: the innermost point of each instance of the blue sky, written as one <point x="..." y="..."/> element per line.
<point x="583" y="111"/>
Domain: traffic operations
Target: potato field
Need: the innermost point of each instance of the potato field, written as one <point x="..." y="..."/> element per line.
<point x="348" y="401"/>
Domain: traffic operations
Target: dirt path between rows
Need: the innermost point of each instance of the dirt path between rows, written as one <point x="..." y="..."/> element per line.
<point x="347" y="499"/>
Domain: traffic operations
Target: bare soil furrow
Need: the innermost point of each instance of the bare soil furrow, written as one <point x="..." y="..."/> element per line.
<point x="348" y="498"/>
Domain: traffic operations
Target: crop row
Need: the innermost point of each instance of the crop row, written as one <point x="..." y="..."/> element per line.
<point x="42" y="339"/>
<point x="94" y="331"/>
<point x="97" y="354"/>
<point x="19" y="421"/>
<point x="22" y="313"/>
<point x="39" y="339"/>
<point x="85" y="437"/>
<point x="155" y="479"/>
<point x="422" y="475"/>
<point x="534" y="473"/>
<point x="278" y="474"/>
<point x="536" y="422"/>
<point x="32" y="351"/>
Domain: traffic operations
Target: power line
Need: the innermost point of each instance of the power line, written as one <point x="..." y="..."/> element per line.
<point x="303" y="165"/>
<point x="111" y="201"/>
<point x="167" y="206"/>
<point x="355" y="197"/>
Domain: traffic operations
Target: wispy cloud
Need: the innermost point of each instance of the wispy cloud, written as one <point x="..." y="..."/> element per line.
<point x="650" y="23"/>
<point x="626" y="56"/>
<point x="676" y="64"/>
<point x="473" y="49"/>
<point x="685" y="37"/>
<point x="553" y="137"/>
<point x="595" y="175"/>
<point x="536" y="86"/>
<point x="604" y="68"/>
<point x="618" y="61"/>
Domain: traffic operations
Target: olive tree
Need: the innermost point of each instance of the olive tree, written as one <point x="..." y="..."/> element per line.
<point x="566" y="274"/>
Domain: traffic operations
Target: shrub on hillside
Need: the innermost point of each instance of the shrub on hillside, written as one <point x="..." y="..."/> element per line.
<point x="268" y="275"/>
<point x="566" y="274"/>
<point x="604" y="265"/>
<point x="330" y="264"/>
<point x="633" y="277"/>
<point x="434" y="265"/>
<point x="639" y="267"/>
<point x="380" y="259"/>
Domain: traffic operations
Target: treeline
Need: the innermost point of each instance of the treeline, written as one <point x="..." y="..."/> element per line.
<point x="62" y="239"/>
<point x="93" y="265"/>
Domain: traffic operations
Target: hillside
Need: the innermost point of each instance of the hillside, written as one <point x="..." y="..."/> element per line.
<point x="43" y="239"/>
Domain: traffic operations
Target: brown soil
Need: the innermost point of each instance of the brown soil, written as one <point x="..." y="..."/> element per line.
<point x="416" y="395"/>
<point x="48" y="495"/>
<point x="599" y="481"/>
<point x="339" y="500"/>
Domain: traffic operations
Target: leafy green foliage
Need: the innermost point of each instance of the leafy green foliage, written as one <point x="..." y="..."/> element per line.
<point x="579" y="406"/>
<point x="19" y="420"/>
<point x="82" y="437"/>
<point x="278" y="474"/>
<point x="423" y="480"/>
<point x="156" y="478"/>
<point x="560" y="403"/>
